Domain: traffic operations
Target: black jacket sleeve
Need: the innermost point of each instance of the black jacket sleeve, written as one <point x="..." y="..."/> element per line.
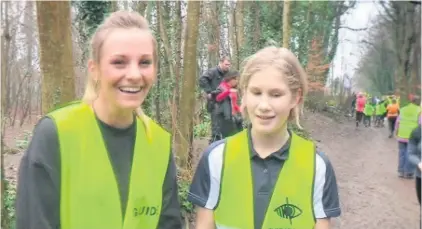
<point x="226" y="109"/>
<point x="38" y="191"/>
<point x="205" y="82"/>
<point x="170" y="217"/>
<point x="216" y="92"/>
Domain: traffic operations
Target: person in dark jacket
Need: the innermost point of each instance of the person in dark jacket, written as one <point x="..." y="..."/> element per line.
<point x="228" y="108"/>
<point x="414" y="150"/>
<point x="353" y="104"/>
<point x="209" y="83"/>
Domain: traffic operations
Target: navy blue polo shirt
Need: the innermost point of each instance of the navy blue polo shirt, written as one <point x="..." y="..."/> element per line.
<point x="205" y="188"/>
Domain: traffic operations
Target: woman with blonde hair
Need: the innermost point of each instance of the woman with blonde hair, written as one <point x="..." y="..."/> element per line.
<point x="266" y="176"/>
<point x="101" y="163"/>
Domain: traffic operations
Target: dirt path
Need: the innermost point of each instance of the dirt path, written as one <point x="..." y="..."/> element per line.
<point x="365" y="162"/>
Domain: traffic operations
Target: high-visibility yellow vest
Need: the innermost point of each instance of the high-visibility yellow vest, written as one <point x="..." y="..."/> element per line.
<point x="409" y="116"/>
<point x="368" y="110"/>
<point x="89" y="196"/>
<point x="291" y="204"/>
<point x="380" y="109"/>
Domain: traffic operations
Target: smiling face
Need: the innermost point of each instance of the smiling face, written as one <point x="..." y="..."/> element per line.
<point x="268" y="101"/>
<point x="126" y="68"/>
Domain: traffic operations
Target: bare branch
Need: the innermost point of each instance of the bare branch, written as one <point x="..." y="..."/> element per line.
<point x="377" y="47"/>
<point x="387" y="10"/>
<point x="343" y="8"/>
<point x="353" y="29"/>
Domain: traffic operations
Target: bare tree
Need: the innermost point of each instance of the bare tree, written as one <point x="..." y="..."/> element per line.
<point x="286" y="24"/>
<point x="56" y="53"/>
<point x="187" y="101"/>
<point x="4" y="47"/>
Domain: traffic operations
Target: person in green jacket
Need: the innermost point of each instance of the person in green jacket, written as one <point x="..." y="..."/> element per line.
<point x="406" y="122"/>
<point x="380" y="111"/>
<point x="101" y="162"/>
<point x="368" y="111"/>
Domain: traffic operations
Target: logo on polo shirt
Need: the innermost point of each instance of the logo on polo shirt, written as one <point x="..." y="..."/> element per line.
<point x="288" y="211"/>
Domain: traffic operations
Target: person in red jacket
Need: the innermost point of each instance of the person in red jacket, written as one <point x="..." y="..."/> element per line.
<point x="360" y="105"/>
<point x="229" y="110"/>
<point x="228" y="89"/>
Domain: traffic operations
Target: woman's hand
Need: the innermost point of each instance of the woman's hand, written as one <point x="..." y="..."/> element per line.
<point x="420" y="166"/>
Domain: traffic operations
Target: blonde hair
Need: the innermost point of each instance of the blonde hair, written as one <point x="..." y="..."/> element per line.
<point x="117" y="20"/>
<point x="287" y="64"/>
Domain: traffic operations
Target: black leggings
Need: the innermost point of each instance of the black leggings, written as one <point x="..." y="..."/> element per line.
<point x="392" y="123"/>
<point x="359" y="116"/>
<point x="367" y="120"/>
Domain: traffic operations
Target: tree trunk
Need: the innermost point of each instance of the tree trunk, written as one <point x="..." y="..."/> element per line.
<point x="240" y="34"/>
<point x="233" y="37"/>
<point x="114" y="7"/>
<point x="54" y="25"/>
<point x="177" y="23"/>
<point x="29" y="36"/>
<point x="224" y="20"/>
<point x="126" y="5"/>
<point x="333" y="41"/>
<point x="141" y="6"/>
<point x="187" y="101"/>
<point x="286" y="24"/>
<point x="213" y="33"/>
<point x="4" y="59"/>
<point x="404" y="38"/>
<point x="416" y="61"/>
<point x="164" y="37"/>
<point x="257" y="27"/>
<point x="5" y="45"/>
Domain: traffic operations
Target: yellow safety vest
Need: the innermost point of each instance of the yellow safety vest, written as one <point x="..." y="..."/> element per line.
<point x="409" y="116"/>
<point x="291" y="204"/>
<point x="89" y="197"/>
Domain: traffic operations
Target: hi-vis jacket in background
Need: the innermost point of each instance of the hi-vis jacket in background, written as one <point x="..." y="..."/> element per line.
<point x="291" y="204"/>
<point x="409" y="116"/>
<point x="89" y="190"/>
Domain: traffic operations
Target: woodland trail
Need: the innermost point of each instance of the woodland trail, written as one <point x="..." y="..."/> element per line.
<point x="365" y="162"/>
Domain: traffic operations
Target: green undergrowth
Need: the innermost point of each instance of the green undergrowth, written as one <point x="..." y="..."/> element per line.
<point x="184" y="179"/>
<point x="301" y="132"/>
<point x="9" y="220"/>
